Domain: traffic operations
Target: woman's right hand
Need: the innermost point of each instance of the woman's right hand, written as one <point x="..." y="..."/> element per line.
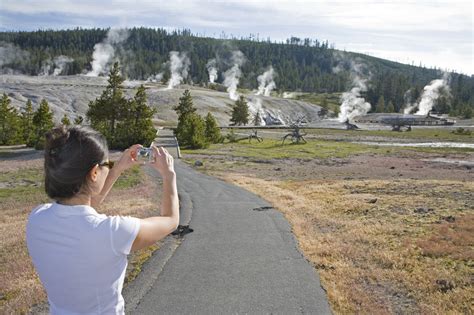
<point x="163" y="161"/>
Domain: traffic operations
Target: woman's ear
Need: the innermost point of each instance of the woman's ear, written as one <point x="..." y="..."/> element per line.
<point x="93" y="173"/>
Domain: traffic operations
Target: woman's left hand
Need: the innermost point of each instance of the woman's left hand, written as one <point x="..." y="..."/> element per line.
<point x="128" y="158"/>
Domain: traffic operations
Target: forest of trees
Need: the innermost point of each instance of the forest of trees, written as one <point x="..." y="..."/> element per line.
<point x="301" y="64"/>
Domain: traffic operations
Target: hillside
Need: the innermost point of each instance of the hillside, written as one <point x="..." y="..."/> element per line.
<point x="306" y="65"/>
<point x="72" y="94"/>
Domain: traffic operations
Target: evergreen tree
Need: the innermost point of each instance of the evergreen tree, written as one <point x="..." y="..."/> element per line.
<point x="65" y="120"/>
<point x="43" y="122"/>
<point x="380" y="108"/>
<point x="10" y="123"/>
<point x="107" y="110"/>
<point x="240" y="112"/>
<point x="191" y="128"/>
<point x="185" y="105"/>
<point x="136" y="125"/>
<point x="390" y="107"/>
<point x="257" y="120"/>
<point x="79" y="120"/>
<point x="213" y="132"/>
<point x="27" y="122"/>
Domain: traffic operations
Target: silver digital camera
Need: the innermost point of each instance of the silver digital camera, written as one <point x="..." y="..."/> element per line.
<point x="145" y="153"/>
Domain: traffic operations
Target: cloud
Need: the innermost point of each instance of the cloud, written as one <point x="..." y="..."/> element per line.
<point x="424" y="28"/>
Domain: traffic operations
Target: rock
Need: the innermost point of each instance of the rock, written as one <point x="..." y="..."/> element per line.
<point x="423" y="210"/>
<point x="198" y="163"/>
<point x="449" y="218"/>
<point x="444" y="285"/>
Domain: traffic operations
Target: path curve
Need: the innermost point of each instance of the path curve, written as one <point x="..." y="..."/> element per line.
<point x="237" y="260"/>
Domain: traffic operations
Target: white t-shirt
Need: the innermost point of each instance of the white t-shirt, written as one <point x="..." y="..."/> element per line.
<point x="80" y="257"/>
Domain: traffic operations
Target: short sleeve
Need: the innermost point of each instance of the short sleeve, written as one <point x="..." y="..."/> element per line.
<point x="123" y="231"/>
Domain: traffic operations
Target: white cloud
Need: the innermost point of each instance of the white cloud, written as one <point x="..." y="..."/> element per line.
<point x="437" y="31"/>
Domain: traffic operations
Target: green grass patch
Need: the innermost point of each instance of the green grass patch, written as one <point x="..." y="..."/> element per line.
<point x="426" y="134"/>
<point x="130" y="178"/>
<point x="321" y="149"/>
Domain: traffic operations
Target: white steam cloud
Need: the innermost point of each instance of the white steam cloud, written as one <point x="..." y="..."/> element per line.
<point x="60" y="63"/>
<point x="104" y="52"/>
<point x="179" y="65"/>
<point x="352" y="103"/>
<point x="232" y="75"/>
<point x="289" y="94"/>
<point x="266" y="83"/>
<point x="431" y="92"/>
<point x="255" y="106"/>
<point x="9" y="54"/>
<point x="212" y="69"/>
<point x="155" y="77"/>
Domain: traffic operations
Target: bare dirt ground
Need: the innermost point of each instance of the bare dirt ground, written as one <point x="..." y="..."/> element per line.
<point x="388" y="233"/>
<point x="364" y="166"/>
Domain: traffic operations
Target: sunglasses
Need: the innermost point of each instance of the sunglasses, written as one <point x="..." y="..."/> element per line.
<point x="109" y="164"/>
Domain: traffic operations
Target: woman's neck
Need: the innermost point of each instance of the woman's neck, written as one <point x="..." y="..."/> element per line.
<point x="76" y="200"/>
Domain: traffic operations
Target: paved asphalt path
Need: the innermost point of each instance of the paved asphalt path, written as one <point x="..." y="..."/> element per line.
<point x="238" y="260"/>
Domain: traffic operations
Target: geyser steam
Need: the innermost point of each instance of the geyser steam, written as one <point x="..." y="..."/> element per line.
<point x="266" y="82"/>
<point x="212" y="69"/>
<point x="232" y="75"/>
<point x="431" y="92"/>
<point x="104" y="52"/>
<point x="352" y="103"/>
<point x="179" y="65"/>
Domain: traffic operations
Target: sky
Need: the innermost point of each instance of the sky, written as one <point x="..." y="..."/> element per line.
<point x="430" y="33"/>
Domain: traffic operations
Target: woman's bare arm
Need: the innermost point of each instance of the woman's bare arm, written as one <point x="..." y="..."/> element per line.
<point x="155" y="228"/>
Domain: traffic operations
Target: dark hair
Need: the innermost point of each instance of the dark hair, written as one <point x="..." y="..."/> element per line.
<point x="69" y="155"/>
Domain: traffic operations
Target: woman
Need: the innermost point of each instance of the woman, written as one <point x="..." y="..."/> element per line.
<point x="79" y="254"/>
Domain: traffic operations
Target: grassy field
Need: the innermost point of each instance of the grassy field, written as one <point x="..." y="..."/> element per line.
<point x="381" y="245"/>
<point x="21" y="190"/>
<point x="321" y="149"/>
<point x="425" y="134"/>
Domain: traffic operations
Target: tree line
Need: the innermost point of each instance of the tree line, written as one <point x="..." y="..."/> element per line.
<point x="301" y="64"/>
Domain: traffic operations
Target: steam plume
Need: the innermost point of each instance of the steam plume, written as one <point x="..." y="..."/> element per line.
<point x="60" y="62"/>
<point x="9" y="54"/>
<point x="155" y="77"/>
<point x="289" y="94"/>
<point x="179" y="65"/>
<point x="431" y="93"/>
<point x="266" y="83"/>
<point x="212" y="69"/>
<point x="352" y="103"/>
<point x="104" y="52"/>
<point x="255" y="106"/>
<point x="232" y="75"/>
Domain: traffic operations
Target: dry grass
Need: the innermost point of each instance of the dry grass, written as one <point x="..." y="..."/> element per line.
<point x="20" y="287"/>
<point x="382" y="247"/>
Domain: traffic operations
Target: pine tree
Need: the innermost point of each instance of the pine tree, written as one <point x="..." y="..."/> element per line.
<point x="240" y="112"/>
<point x="10" y="123"/>
<point x="65" y="120"/>
<point x="185" y="105"/>
<point x="213" y="132"/>
<point x="380" y="108"/>
<point x="107" y="110"/>
<point x="257" y="121"/>
<point x="43" y="122"/>
<point x="390" y="107"/>
<point x="136" y="125"/>
<point x="191" y="128"/>
<point x="27" y="122"/>
<point x="79" y="120"/>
